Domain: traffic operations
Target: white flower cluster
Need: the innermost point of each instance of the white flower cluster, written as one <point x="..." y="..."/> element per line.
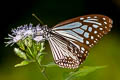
<point x="24" y="31"/>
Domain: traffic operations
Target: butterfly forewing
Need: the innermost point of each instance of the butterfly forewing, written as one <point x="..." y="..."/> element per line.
<point x="79" y="35"/>
<point x="85" y="29"/>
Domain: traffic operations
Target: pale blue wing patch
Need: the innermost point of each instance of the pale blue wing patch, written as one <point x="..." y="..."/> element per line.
<point x="92" y="21"/>
<point x="90" y="29"/>
<point x="86" y="35"/>
<point x="84" y="27"/>
<point x="78" y="30"/>
<point x="69" y="26"/>
<point x="95" y="26"/>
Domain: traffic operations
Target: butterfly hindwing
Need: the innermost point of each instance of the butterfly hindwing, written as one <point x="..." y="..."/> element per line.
<point x="63" y="55"/>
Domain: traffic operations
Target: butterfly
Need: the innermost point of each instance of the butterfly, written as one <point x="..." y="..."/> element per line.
<point x="70" y="40"/>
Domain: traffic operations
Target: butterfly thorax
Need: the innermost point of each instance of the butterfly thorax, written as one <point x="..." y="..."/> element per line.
<point x="42" y="33"/>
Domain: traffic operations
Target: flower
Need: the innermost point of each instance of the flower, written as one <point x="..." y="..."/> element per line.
<point x="20" y="34"/>
<point x="38" y="33"/>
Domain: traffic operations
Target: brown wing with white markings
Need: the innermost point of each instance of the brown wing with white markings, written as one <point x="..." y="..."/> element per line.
<point x="76" y="36"/>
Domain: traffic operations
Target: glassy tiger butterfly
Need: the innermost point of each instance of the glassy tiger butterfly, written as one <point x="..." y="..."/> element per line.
<point x="70" y="40"/>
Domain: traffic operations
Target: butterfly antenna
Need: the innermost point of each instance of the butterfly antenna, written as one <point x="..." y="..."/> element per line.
<point x="37" y="19"/>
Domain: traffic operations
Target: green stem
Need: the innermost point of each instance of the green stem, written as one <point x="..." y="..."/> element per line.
<point x="42" y="69"/>
<point x="30" y="52"/>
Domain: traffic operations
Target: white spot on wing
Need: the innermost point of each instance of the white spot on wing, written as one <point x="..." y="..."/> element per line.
<point x="82" y="52"/>
<point x="92" y="37"/>
<point x="106" y="27"/>
<point x="94" y="41"/>
<point x="100" y="28"/>
<point x="95" y="32"/>
<point x="83" y="48"/>
<point x="105" y="22"/>
<point x="87" y="42"/>
<point x="98" y="35"/>
<point x="88" y="17"/>
<point x="95" y="16"/>
<point x="81" y="18"/>
<point x="104" y="18"/>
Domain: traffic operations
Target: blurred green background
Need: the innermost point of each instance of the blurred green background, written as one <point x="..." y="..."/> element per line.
<point x="51" y="12"/>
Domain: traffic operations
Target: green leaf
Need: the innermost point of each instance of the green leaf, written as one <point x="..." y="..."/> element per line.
<point x="51" y="64"/>
<point x="20" y="53"/>
<point x="83" y="72"/>
<point x="23" y="63"/>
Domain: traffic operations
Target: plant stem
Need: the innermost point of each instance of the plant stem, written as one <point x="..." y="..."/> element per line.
<point x="42" y="69"/>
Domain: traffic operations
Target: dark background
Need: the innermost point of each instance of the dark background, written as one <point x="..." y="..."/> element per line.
<point x="51" y="12"/>
<point x="19" y="12"/>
